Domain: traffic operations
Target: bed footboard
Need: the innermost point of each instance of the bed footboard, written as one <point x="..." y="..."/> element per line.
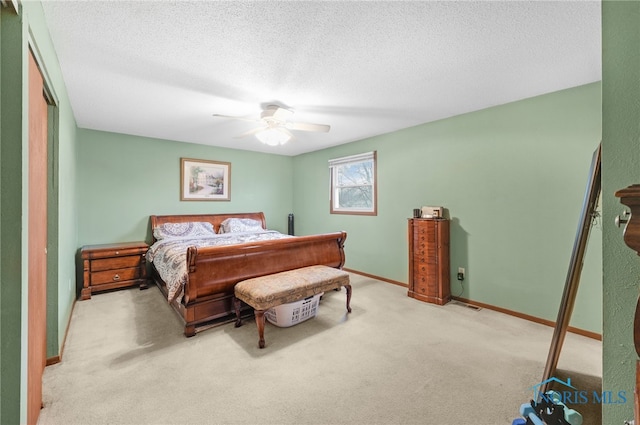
<point x="214" y="271"/>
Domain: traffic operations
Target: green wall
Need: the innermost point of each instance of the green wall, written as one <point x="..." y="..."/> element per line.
<point x="621" y="168"/>
<point x="11" y="241"/>
<point x="125" y="179"/>
<point x="512" y="179"/>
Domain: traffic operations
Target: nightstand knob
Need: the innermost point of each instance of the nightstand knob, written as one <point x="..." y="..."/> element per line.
<point x="116" y="277"/>
<point x="117" y="252"/>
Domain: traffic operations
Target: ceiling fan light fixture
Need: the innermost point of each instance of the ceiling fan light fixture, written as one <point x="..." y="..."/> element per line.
<point x="273" y="137"/>
<point x="275" y="126"/>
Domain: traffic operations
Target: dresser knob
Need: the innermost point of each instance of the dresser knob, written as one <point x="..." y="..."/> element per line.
<point x="117" y="252"/>
<point x="116" y="277"/>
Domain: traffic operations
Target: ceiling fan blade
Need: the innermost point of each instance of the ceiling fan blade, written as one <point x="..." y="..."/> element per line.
<point x="236" y="118"/>
<point x="287" y="132"/>
<point x="323" y="128"/>
<point x="250" y="132"/>
<point x="282" y="114"/>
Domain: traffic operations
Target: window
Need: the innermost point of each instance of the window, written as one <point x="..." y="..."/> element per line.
<point x="353" y="184"/>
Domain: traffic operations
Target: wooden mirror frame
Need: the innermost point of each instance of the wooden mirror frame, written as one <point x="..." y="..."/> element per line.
<point x="575" y="268"/>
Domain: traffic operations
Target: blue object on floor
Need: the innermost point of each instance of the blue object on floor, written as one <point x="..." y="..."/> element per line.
<point x="527" y="411"/>
<point x="570" y="416"/>
<point x="519" y="421"/>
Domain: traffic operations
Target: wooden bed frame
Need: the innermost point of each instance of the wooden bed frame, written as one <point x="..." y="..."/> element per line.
<point x="214" y="271"/>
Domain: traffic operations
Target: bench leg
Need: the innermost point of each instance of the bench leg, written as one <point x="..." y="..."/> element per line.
<point x="236" y="304"/>
<point x="348" y="288"/>
<point x="260" y="319"/>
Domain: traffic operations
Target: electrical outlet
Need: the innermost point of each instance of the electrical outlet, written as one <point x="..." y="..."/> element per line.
<point x="461" y="273"/>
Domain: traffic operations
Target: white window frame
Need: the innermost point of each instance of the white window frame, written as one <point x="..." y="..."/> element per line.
<point x="334" y="167"/>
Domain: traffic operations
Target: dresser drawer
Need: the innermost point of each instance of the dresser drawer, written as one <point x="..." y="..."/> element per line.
<point x="424" y="235"/>
<point x="115" y="263"/>
<point x="111" y="276"/>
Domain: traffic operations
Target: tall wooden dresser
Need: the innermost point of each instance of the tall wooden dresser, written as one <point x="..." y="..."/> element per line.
<point x="429" y="260"/>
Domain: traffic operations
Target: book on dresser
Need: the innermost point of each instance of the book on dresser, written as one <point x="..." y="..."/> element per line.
<point x="429" y="260"/>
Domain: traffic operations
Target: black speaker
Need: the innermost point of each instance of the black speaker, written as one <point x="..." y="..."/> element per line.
<point x="291" y="224"/>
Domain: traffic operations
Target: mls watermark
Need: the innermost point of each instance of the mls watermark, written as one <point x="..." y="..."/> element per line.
<point x="572" y="396"/>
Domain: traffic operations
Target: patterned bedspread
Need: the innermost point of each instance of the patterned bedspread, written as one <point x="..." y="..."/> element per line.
<point x="170" y="255"/>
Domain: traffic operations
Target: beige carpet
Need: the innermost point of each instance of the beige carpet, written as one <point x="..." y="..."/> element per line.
<point x="393" y="360"/>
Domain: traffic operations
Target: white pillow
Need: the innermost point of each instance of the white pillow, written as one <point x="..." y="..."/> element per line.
<point x="233" y="225"/>
<point x="192" y="229"/>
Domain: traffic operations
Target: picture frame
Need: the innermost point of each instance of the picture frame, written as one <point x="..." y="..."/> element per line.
<point x="204" y="180"/>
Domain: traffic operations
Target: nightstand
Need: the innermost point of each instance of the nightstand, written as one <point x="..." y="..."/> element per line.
<point x="113" y="266"/>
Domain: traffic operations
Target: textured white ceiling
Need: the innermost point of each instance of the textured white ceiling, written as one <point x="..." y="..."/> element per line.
<point x="162" y="68"/>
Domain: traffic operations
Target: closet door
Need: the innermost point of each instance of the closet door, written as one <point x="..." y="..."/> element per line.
<point x="37" y="240"/>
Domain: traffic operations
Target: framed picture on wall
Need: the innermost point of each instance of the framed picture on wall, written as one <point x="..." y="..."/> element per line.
<point x="202" y="180"/>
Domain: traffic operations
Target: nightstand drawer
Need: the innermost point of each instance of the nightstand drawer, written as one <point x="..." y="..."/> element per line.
<point x="111" y="276"/>
<point x="115" y="263"/>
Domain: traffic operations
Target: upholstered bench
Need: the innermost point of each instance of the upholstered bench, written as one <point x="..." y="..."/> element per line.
<point x="265" y="292"/>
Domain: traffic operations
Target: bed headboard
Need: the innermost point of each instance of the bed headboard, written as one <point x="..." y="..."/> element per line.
<point x="215" y="219"/>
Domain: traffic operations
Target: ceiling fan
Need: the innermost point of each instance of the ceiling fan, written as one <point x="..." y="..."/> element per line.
<point x="276" y="125"/>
